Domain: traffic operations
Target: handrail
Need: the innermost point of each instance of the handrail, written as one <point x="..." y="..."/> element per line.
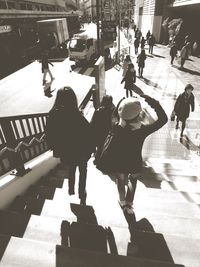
<point x="22" y="137"/>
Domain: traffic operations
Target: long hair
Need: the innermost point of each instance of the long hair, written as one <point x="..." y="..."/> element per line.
<point x="107" y="101"/>
<point x="65" y="99"/>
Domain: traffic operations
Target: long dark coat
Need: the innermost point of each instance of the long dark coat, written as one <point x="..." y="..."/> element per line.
<point x="69" y="135"/>
<point x="130" y="79"/>
<point x="182" y="106"/>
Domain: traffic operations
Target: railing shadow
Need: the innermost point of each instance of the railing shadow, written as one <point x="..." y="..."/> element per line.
<point x="193" y="72"/>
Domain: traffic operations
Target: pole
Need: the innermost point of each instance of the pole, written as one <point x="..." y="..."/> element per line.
<point x="98" y="28"/>
<point x="119" y="26"/>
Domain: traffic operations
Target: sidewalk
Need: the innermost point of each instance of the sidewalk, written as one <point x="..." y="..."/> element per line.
<point x="165" y="82"/>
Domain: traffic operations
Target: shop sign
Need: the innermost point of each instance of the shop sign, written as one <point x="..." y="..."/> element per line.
<point x="5" y="28"/>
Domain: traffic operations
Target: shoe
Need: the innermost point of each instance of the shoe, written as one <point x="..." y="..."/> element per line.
<point x="71" y="192"/>
<point x="176" y="126"/>
<point x="83" y="198"/>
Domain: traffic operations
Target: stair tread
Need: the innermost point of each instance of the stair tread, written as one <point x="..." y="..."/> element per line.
<point x="84" y="258"/>
<point x="19" y="252"/>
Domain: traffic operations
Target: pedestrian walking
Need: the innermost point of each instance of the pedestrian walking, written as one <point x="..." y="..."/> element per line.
<point x="142" y="43"/>
<point x="101" y="122"/>
<point x="173" y="52"/>
<point x="136" y="45"/>
<point x="147" y="36"/>
<point x="125" y="153"/>
<point x="129" y="79"/>
<point x="126" y="62"/>
<point x="45" y="67"/>
<point x="152" y="42"/>
<point x="70" y="137"/>
<point x="183" y="104"/>
<point x="184" y="54"/>
<point x="136" y="32"/>
<point x="141" y="62"/>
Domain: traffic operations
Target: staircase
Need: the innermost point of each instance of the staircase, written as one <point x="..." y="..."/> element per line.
<point x="37" y="229"/>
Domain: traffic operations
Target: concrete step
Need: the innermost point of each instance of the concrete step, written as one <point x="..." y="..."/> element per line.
<point x="52" y="180"/>
<point x="142" y="203"/>
<point x="47" y="229"/>
<point x="83" y="258"/>
<point x="166" y="196"/>
<point x="151" y="245"/>
<point x="13" y="223"/>
<point x="29" y="253"/>
<point x="41" y="191"/>
<point x="26" y="204"/>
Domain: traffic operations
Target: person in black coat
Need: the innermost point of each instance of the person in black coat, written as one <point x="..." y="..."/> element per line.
<point x="136" y="45"/>
<point x="124" y="162"/>
<point x="70" y="137"/>
<point x="130" y="79"/>
<point x="141" y="62"/>
<point x="101" y="122"/>
<point x="173" y="52"/>
<point x="152" y="42"/>
<point x="184" y="102"/>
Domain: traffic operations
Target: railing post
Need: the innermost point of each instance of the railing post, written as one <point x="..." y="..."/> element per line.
<point x="11" y="142"/>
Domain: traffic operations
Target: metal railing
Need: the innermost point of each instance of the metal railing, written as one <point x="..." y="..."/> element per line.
<point x="22" y="138"/>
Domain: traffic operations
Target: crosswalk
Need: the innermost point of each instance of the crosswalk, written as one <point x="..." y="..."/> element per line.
<point x="88" y="71"/>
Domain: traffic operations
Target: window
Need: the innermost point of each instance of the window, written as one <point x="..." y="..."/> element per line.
<point x="3" y="5"/>
<point x="11" y="5"/>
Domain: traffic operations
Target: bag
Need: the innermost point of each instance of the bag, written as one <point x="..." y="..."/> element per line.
<point x="172" y="117"/>
<point x="105" y="157"/>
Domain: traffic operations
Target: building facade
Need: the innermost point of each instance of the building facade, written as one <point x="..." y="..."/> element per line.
<point x="150" y="15"/>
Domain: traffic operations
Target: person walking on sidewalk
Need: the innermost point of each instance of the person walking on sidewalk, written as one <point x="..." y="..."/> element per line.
<point x="129" y="134"/>
<point x="173" y="52"/>
<point x="147" y="36"/>
<point x="101" y="122"/>
<point x="126" y="62"/>
<point x="141" y="62"/>
<point x="152" y="42"/>
<point x="129" y="79"/>
<point x="184" y="102"/>
<point x="142" y="43"/>
<point x="70" y="137"/>
<point x="184" y="54"/>
<point x="45" y="66"/>
<point x="136" y="45"/>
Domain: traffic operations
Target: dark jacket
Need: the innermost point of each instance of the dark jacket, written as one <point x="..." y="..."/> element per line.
<point x="152" y="40"/>
<point x="173" y="51"/>
<point x="69" y="135"/>
<point x="126" y="155"/>
<point x="141" y="60"/>
<point x="45" y="62"/>
<point x="130" y="79"/>
<point x="182" y="106"/>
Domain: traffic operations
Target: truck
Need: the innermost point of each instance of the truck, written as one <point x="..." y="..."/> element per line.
<point x="53" y="33"/>
<point x="82" y="48"/>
